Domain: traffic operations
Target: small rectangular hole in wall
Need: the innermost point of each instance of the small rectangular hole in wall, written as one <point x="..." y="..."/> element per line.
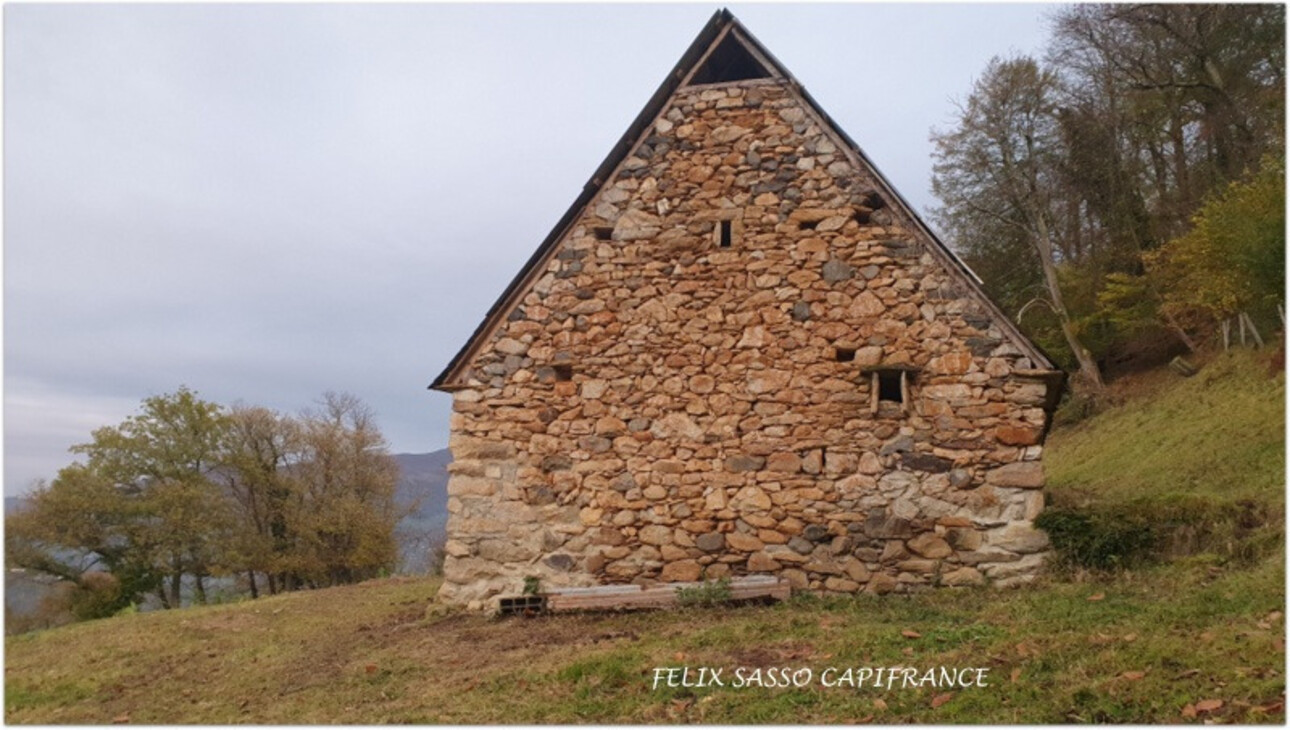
<point x="603" y="233"/>
<point x="808" y="225"/>
<point x="844" y="354"/>
<point x="889" y="386"/>
<point x="862" y="217"/>
<point x="563" y="373"/>
<point x="727" y="236"/>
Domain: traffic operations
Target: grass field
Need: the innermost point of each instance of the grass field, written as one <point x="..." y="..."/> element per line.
<point x="1196" y="638"/>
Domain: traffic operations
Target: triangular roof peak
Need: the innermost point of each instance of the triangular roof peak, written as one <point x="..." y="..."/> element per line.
<point x="723" y="52"/>
<point x="730" y="57"/>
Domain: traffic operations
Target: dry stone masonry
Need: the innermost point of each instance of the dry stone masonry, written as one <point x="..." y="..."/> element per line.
<point x="742" y="356"/>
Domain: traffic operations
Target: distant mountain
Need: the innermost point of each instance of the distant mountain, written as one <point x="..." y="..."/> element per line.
<point x="13" y="504"/>
<point x="422" y="488"/>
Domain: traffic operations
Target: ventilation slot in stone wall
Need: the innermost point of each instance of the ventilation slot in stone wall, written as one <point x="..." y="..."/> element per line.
<point x="725" y="236"/>
<point x="563" y="373"/>
<point x="603" y="233"/>
<point x="889" y="385"/>
<point x="844" y="354"/>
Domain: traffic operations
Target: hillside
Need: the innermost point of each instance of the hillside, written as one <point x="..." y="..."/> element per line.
<point x="1188" y="635"/>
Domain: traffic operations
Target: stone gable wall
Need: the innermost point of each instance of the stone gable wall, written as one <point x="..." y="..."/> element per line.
<point x="706" y="427"/>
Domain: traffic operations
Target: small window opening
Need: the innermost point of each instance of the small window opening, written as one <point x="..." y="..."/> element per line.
<point x="845" y="354"/>
<point x="603" y="233"/>
<point x="862" y="217"/>
<point x="874" y="201"/>
<point x="729" y="61"/>
<point x="808" y="225"/>
<point x="726" y="237"/>
<point x="890" y="386"/>
<point x="563" y="373"/>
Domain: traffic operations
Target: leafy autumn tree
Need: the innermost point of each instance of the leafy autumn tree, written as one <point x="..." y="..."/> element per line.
<point x="1137" y="113"/>
<point x="262" y="447"/>
<point x="185" y="491"/>
<point x="1233" y="258"/>
<point x="142" y="507"/>
<point x="344" y="511"/>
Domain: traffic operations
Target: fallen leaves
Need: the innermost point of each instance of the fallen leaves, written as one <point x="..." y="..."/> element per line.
<point x="879" y="704"/>
<point x="1016" y="675"/>
<point x="1133" y="676"/>
<point x="941" y="699"/>
<point x="911" y="634"/>
<point x="1201" y="708"/>
<point x="1209" y="705"/>
<point x="1097" y="597"/>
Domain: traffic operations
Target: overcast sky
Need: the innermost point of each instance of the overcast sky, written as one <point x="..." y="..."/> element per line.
<point x="267" y="202"/>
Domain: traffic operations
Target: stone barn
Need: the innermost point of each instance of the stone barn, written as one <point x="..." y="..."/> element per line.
<point x="741" y="352"/>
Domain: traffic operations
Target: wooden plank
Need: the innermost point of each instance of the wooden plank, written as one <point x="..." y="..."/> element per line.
<point x="663" y="595"/>
<point x="904" y="391"/>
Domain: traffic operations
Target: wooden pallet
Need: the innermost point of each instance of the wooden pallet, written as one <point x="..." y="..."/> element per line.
<point x="661" y="595"/>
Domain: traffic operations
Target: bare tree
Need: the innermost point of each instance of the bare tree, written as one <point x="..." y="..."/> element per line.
<point x="1002" y="162"/>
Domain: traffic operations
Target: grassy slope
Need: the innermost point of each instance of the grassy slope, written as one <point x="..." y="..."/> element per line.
<point x="1196" y="629"/>
<point x="1219" y="434"/>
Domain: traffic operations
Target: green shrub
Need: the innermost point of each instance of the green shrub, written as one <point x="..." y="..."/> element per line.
<point x="707" y="593"/>
<point x="1107" y="536"/>
<point x="1091" y="539"/>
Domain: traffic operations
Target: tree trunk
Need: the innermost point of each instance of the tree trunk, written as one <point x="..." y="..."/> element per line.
<point x="1089" y="374"/>
<point x="201" y="588"/>
<point x="161" y="594"/>
<point x="250" y="579"/>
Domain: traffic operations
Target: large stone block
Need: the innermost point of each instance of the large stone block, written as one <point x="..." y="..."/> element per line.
<point x="1023" y="474"/>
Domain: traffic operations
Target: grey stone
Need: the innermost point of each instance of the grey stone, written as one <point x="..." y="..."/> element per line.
<point x="710" y="542"/>
<point x="801" y="545"/>
<point x="743" y="462"/>
<point x="816" y="533"/>
<point x="559" y="561"/>
<point x="899" y="444"/>
<point x="879" y="525"/>
<point x="835" y="271"/>
<point x="801" y="311"/>
<point x="926" y="462"/>
<point x="556" y="462"/>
